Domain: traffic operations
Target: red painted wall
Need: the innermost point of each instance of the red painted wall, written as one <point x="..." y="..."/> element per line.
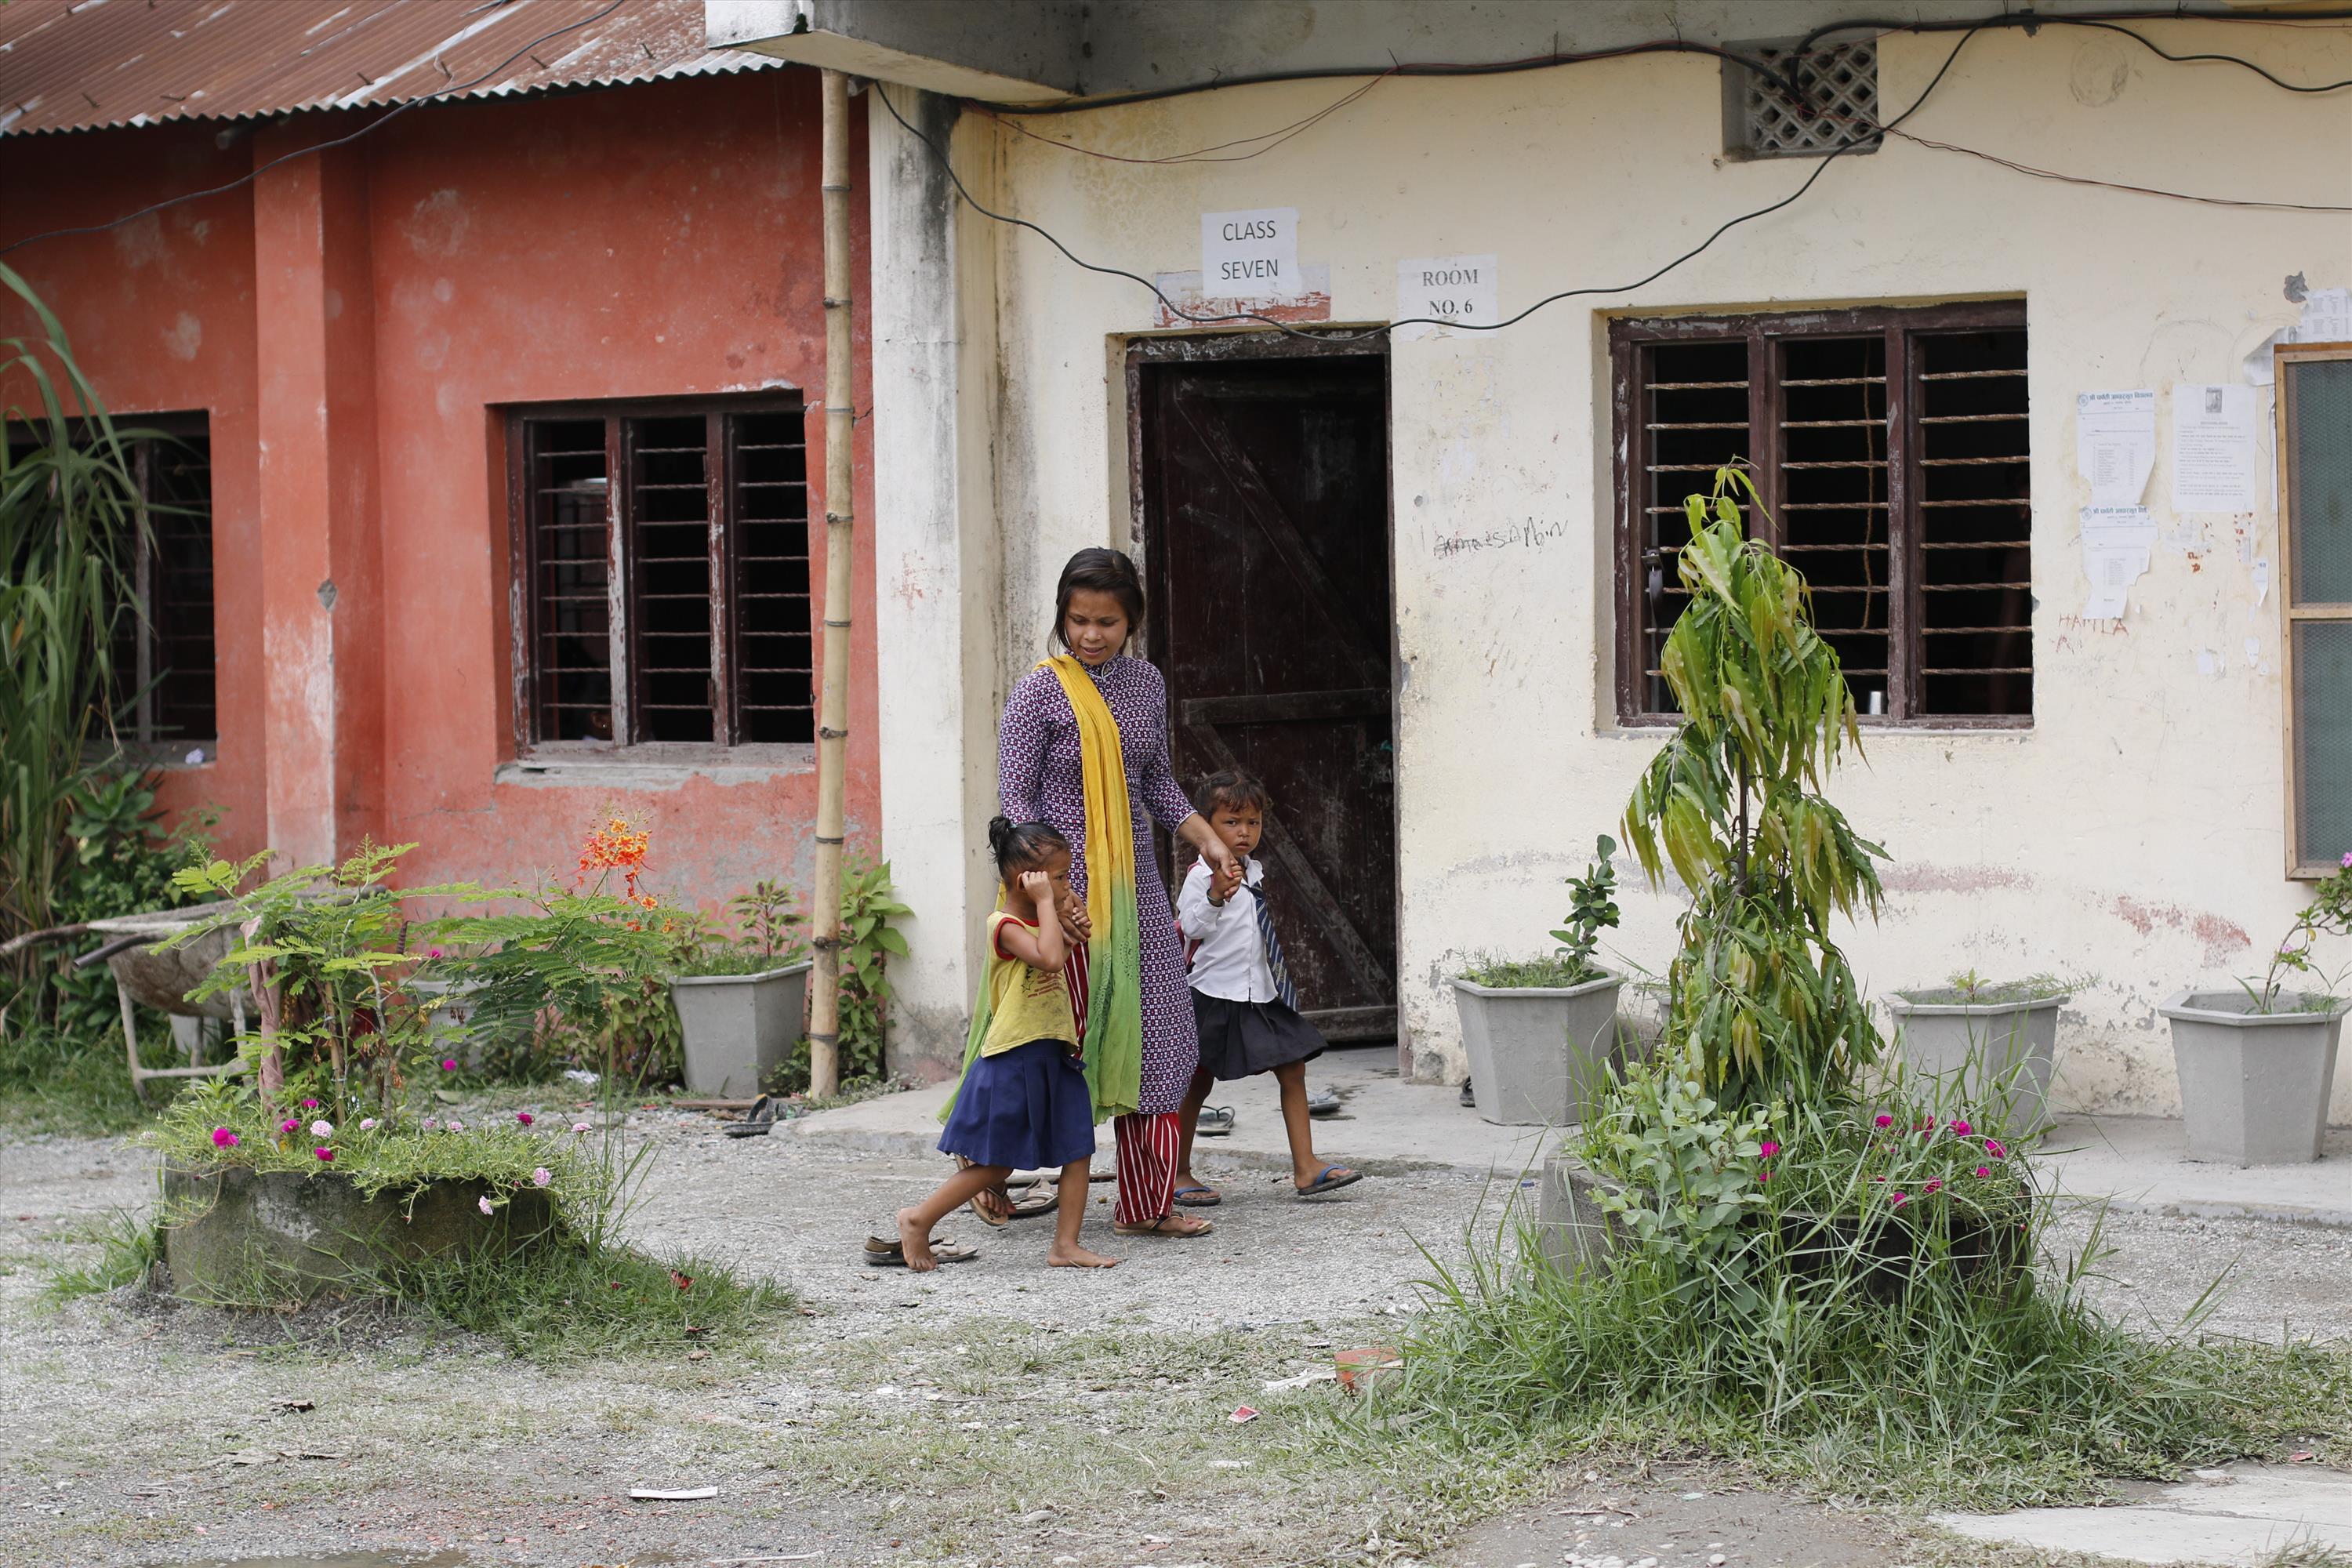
<point x="643" y="241"/>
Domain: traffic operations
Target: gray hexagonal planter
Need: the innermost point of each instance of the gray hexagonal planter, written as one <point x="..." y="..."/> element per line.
<point x="235" y="1235"/>
<point x="1539" y="1055"/>
<point x="2253" y="1086"/>
<point x="1976" y="1047"/>
<point x="740" y="1028"/>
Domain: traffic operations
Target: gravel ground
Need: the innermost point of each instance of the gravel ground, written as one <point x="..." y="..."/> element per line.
<point x="995" y="1412"/>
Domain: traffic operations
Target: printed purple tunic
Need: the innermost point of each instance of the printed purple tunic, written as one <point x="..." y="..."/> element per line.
<point x="1041" y="779"/>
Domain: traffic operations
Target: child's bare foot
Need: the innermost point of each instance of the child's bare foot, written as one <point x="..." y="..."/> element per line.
<point x="1076" y="1257"/>
<point x="915" y="1243"/>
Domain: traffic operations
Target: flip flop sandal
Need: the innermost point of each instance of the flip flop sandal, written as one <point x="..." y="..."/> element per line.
<point x="882" y="1253"/>
<point x="1332" y="1178"/>
<point x="1216" y="1120"/>
<point x="757" y="1122"/>
<point x="1036" y="1204"/>
<point x="1323" y="1103"/>
<point x="1199" y="1198"/>
<point x="1160" y="1228"/>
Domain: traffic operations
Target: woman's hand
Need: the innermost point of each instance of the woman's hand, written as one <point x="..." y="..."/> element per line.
<point x="1077" y="926"/>
<point x="1195" y="830"/>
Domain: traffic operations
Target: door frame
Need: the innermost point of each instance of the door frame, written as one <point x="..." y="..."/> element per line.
<point x="1141" y="353"/>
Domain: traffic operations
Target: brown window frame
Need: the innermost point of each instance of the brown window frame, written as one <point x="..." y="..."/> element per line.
<point x="1628" y="335"/>
<point x="624" y="578"/>
<point x="2300" y="867"/>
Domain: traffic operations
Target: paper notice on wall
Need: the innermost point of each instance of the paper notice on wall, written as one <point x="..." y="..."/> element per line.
<point x="1251" y="255"/>
<point x="2212" y="449"/>
<point x="2327" y="318"/>
<point x="2262" y="579"/>
<point x="1435" y="288"/>
<point x="2114" y="444"/>
<point x="2117" y="542"/>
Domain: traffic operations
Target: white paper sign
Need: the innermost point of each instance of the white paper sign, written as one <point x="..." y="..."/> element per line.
<point x="2212" y="449"/>
<point x="1445" y="289"/>
<point x="2114" y="444"/>
<point x="2117" y="542"/>
<point x="2327" y="318"/>
<point x="1251" y="255"/>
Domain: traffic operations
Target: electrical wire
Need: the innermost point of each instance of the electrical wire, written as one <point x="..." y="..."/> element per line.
<point x="371" y="127"/>
<point x="2110" y="22"/>
<point x="947" y="167"/>
<point x="1272" y="139"/>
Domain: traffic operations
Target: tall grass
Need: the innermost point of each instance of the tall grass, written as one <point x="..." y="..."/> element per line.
<point x="1956" y="1387"/>
<point x="69" y="513"/>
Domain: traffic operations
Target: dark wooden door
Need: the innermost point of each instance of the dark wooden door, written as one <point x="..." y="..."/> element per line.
<point x="1265" y="486"/>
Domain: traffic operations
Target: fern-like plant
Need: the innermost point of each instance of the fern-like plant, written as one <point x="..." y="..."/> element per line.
<point x="1757" y="991"/>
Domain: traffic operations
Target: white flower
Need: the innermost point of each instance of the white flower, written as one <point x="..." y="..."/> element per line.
<point x="541" y="1176"/>
<point x="484" y="1203"/>
<point x="322" y="1129"/>
<point x="368" y="1125"/>
<point x="580" y="1127"/>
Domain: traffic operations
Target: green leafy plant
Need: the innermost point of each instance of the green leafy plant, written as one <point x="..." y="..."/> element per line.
<point x="70" y="512"/>
<point x="768" y="922"/>
<point x="1733" y="803"/>
<point x="1969" y="989"/>
<point x="869" y="902"/>
<point x="1687" y="1171"/>
<point x="1593" y="909"/>
<point x="2328" y="913"/>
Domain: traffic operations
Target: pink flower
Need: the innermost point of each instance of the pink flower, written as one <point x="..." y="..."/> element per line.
<point x="1936" y="1184"/>
<point x="309" y="1105"/>
<point x="432" y="953"/>
<point x="1768" y="1149"/>
<point x="523" y="1117"/>
<point x="289" y="1124"/>
<point x="580" y="1127"/>
<point x="1995" y="1148"/>
<point x="224" y="1138"/>
<point x="326" y="1155"/>
<point x="541" y="1176"/>
<point x="2347" y="860"/>
<point x="456" y="1126"/>
<point x="484" y="1203"/>
<point x="1886" y="1121"/>
<point x="1878" y="1178"/>
<point x="368" y="1124"/>
<point x="1961" y="1128"/>
<point x="1900" y="1199"/>
<point x="449" y="1064"/>
<point x="1763" y="1176"/>
<point x="1984" y="1170"/>
<point x="430" y="1122"/>
<point x="322" y="1129"/>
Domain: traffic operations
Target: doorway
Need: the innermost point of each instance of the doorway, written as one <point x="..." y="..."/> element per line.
<point x="1261" y="478"/>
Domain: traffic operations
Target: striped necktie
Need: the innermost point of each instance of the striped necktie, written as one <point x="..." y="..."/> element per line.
<point x="1284" y="991"/>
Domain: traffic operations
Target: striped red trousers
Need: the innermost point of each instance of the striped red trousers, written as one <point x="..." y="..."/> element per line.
<point x="1147" y="1143"/>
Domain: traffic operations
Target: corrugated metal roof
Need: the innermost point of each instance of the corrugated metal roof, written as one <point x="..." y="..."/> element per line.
<point x="76" y="64"/>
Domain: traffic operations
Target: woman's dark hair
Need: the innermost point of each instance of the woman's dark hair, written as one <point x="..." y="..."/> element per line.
<point x="1023" y="846"/>
<point x="1104" y="572"/>
<point x="1231" y="788"/>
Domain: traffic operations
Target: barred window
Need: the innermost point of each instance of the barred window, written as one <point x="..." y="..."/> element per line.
<point x="661" y="556"/>
<point x="1890" y="447"/>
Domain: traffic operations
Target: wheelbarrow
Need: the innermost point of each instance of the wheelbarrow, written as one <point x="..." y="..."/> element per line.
<point x="162" y="977"/>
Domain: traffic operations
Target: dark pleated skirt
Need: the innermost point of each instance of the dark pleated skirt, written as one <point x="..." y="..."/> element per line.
<point x="1241" y="1039"/>
<point x="1027" y="1108"/>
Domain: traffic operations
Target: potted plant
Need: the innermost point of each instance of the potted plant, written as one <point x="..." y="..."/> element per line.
<point x="2256" y="1065"/>
<point x="1540" y="1032"/>
<point x="741" y="1002"/>
<point x="1993" y="1042"/>
<point x="1763" y="1014"/>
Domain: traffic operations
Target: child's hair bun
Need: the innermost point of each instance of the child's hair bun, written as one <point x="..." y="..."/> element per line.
<point x="1000" y="834"/>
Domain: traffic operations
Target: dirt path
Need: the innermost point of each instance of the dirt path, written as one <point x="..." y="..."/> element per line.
<point x="996" y="1412"/>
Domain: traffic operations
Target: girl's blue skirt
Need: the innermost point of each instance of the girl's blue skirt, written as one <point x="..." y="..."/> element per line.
<point x="1027" y="1108"/>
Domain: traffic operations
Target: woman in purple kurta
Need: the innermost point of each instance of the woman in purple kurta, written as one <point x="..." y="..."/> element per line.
<point x="1040" y="779"/>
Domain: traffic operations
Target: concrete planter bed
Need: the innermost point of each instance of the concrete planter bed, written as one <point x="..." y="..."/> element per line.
<point x="1981" y="1046"/>
<point x="1539" y="1055"/>
<point x="231" y="1233"/>
<point x="1576" y="1235"/>
<point x="740" y="1028"/>
<point x="2253" y="1086"/>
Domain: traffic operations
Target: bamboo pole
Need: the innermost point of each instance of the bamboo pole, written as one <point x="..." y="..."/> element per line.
<point x="833" y="709"/>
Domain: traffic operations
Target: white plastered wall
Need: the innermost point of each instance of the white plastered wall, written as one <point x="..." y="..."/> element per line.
<point x="2132" y="837"/>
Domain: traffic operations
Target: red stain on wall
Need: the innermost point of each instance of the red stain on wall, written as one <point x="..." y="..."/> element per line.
<point x="2221" y="937"/>
<point x="353" y="349"/>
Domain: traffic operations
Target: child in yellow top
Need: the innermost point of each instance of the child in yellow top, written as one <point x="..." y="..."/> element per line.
<point x="1023" y="1104"/>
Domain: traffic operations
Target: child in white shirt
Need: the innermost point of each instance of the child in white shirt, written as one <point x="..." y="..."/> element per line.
<point x="1242" y="993"/>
